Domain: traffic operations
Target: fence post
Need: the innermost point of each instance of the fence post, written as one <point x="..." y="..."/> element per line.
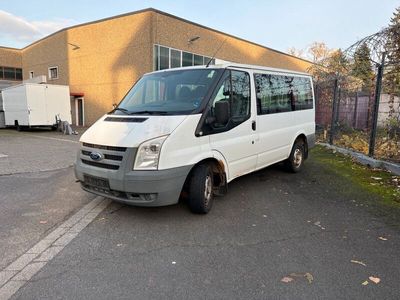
<point x="316" y="98"/>
<point x="338" y="97"/>
<point x="378" y="87"/>
<point x="355" y="111"/>
<point x="334" y="108"/>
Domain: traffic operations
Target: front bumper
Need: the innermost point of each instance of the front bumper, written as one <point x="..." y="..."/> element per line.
<point x="141" y="188"/>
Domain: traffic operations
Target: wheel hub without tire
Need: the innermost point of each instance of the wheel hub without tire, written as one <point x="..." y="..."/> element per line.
<point x="297" y="158"/>
<point x="207" y="189"/>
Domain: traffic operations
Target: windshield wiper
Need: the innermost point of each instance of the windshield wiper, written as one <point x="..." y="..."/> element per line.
<point x="149" y="112"/>
<point x="120" y="109"/>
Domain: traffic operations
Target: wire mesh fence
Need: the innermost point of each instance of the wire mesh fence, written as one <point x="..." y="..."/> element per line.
<point x="358" y="95"/>
<point x="345" y="117"/>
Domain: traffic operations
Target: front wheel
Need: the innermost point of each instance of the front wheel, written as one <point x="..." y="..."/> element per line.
<point x="295" y="161"/>
<point x="201" y="189"/>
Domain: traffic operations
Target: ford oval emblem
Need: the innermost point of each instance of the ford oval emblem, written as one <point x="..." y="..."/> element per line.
<point x="96" y="156"/>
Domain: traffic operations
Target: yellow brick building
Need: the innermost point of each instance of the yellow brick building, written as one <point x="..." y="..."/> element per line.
<point x="101" y="60"/>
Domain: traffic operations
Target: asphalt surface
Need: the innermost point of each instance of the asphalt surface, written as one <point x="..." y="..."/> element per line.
<point x="33" y="201"/>
<point x="271" y="226"/>
<point x="35" y="151"/>
<point x="31" y="205"/>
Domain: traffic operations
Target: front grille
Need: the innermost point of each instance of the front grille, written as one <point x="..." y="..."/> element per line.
<point x="106" y="156"/>
<point x="111" y="148"/>
<point x="84" y="152"/>
<point x="100" y="165"/>
<point x="113" y="157"/>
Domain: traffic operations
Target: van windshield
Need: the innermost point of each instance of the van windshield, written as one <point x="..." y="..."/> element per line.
<point x="169" y="92"/>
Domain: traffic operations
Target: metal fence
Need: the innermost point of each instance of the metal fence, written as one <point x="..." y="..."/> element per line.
<point x="356" y="120"/>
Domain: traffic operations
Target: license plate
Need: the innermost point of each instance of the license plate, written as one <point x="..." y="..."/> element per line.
<point x="96" y="182"/>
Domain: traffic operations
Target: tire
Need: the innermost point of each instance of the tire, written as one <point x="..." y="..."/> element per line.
<point x="201" y="189"/>
<point x="295" y="161"/>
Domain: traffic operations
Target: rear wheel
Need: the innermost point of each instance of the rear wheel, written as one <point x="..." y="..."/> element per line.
<point x="201" y="189"/>
<point x="295" y="161"/>
<point x="17" y="126"/>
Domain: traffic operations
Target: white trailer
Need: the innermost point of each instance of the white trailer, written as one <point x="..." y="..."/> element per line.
<point x="36" y="105"/>
<point x="2" y="121"/>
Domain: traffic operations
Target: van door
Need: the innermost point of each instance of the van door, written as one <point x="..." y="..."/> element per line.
<point x="276" y="120"/>
<point x="235" y="139"/>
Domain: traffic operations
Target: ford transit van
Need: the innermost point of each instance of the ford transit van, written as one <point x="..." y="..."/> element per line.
<point x="193" y="130"/>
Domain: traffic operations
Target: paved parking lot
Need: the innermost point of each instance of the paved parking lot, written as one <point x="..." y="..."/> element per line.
<point x="34" y="151"/>
<point x="34" y="200"/>
<point x="274" y="236"/>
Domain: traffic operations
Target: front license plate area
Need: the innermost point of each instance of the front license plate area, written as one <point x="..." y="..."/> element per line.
<point x="96" y="182"/>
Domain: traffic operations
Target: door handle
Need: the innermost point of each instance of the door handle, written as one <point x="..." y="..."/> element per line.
<point x="253" y="125"/>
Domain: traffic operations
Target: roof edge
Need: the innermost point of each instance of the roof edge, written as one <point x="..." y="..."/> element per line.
<point x="150" y="9"/>
<point x="10" y="48"/>
<point x="90" y="23"/>
<point x="227" y="34"/>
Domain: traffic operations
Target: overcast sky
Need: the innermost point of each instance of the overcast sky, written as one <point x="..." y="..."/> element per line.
<point x="279" y="24"/>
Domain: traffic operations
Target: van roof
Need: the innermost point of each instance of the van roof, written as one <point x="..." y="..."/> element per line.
<point x="238" y="66"/>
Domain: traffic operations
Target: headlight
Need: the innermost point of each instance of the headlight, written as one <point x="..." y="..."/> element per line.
<point x="148" y="154"/>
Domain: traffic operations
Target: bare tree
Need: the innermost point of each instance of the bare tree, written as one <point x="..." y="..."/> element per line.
<point x="318" y="52"/>
<point x="296" y="52"/>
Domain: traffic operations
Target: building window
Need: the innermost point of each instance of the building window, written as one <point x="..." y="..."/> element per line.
<point x="198" y="60"/>
<point x="18" y="74"/>
<point x="31" y="74"/>
<point x="187" y="59"/>
<point x="207" y="60"/>
<point x="156" y="57"/>
<point x="165" y="58"/>
<point x="53" y="73"/>
<point x="175" y="58"/>
<point x="9" y="73"/>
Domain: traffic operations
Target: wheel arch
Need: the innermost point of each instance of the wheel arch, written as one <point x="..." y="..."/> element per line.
<point x="301" y="136"/>
<point x="219" y="168"/>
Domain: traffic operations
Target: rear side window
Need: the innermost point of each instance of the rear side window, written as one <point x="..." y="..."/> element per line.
<point x="303" y="93"/>
<point x="280" y="93"/>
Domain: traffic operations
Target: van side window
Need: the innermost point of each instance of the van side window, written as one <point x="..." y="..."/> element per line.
<point x="236" y="90"/>
<point x="304" y="96"/>
<point x="240" y="99"/>
<point x="279" y="93"/>
<point x="273" y="93"/>
<point x="234" y="93"/>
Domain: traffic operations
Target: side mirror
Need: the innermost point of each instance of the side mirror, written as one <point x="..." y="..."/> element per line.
<point x="222" y="112"/>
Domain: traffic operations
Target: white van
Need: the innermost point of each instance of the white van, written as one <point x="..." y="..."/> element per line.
<point x="192" y="130"/>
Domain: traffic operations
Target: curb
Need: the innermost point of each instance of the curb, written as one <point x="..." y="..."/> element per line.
<point x="366" y="160"/>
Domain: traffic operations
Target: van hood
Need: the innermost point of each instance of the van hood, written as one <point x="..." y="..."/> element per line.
<point x="129" y="131"/>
